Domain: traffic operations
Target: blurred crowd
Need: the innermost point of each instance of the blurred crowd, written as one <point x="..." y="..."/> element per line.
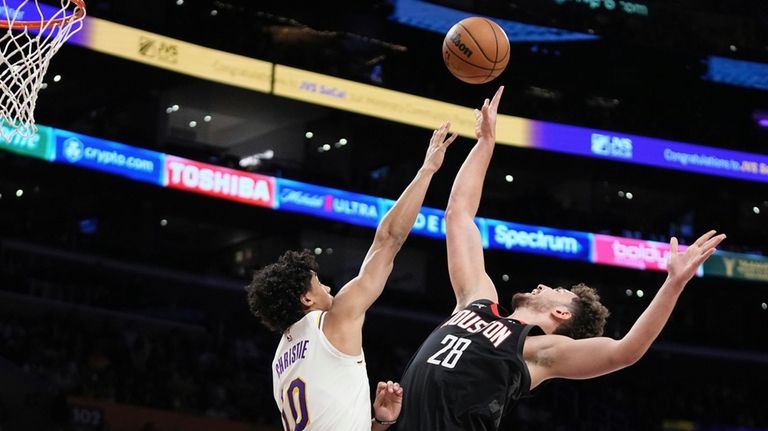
<point x="120" y="362"/>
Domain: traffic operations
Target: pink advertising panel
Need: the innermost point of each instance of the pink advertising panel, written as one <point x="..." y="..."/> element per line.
<point x="631" y="253"/>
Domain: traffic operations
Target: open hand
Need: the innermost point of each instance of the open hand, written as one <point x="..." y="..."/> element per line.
<point x="389" y="400"/>
<point x="485" y="117"/>
<point x="437" y="147"/>
<point x="683" y="266"/>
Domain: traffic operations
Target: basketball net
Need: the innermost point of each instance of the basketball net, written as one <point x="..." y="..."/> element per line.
<point x="30" y="34"/>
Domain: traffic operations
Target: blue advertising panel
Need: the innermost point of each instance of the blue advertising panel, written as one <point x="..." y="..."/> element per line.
<point x="650" y="152"/>
<point x="107" y="156"/>
<point x="328" y="203"/>
<point x="430" y="222"/>
<point x="24" y="10"/>
<point x="302" y="198"/>
<point x="562" y="244"/>
<point x="741" y="73"/>
<point x="439" y="19"/>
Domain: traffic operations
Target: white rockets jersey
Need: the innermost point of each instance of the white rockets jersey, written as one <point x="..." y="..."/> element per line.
<point x="316" y="387"/>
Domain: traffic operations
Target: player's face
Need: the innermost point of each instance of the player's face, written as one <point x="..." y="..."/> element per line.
<point x="557" y="295"/>
<point x="543" y="298"/>
<point x="320" y="293"/>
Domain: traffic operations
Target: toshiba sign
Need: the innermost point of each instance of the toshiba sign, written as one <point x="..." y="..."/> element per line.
<point x="222" y="183"/>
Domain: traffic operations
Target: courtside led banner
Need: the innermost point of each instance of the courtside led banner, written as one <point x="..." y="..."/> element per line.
<point x="358" y="209"/>
<point x="389" y="105"/>
<point x="111" y="157"/>
<point x="219" y="182"/>
<point x="633" y="253"/>
<point x="538" y="240"/>
<point x="40" y="145"/>
<point x="430" y="222"/>
<point x="352" y="208"/>
<point x="174" y="55"/>
<point x="239" y="71"/>
<point x="328" y="203"/>
<point x="739" y="266"/>
<point x="404" y="108"/>
<point x="649" y="151"/>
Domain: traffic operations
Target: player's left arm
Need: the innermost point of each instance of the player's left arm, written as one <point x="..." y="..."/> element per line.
<point x="561" y="356"/>
<point x="558" y="356"/>
<point x="466" y="265"/>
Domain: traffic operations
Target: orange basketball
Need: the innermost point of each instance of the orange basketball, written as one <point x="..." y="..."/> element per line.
<point x="476" y="50"/>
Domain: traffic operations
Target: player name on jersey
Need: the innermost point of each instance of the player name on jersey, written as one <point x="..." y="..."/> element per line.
<point x="290" y="356"/>
<point x="495" y="331"/>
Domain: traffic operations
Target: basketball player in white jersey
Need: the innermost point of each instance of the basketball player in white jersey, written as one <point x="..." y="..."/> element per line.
<point x="319" y="376"/>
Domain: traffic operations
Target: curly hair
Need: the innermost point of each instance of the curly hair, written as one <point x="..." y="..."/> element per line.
<point x="274" y="295"/>
<point x="588" y="315"/>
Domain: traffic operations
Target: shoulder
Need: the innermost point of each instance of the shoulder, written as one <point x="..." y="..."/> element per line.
<point x="481" y="306"/>
<point x="312" y="320"/>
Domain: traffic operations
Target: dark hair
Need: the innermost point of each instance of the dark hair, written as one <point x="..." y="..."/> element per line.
<point x="274" y="295"/>
<point x="587" y="314"/>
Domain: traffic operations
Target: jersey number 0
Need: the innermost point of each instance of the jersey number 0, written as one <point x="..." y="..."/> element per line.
<point x="294" y="401"/>
<point x="454" y="348"/>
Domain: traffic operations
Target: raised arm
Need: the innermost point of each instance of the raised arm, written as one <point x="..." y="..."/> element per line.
<point x="465" y="249"/>
<point x="559" y="356"/>
<point x="344" y="320"/>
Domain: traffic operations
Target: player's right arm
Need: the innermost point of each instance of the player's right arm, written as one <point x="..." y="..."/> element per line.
<point x="344" y="320"/>
<point x="551" y="356"/>
<point x="466" y="265"/>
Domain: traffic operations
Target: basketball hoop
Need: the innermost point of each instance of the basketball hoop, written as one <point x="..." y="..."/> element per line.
<point x="31" y="33"/>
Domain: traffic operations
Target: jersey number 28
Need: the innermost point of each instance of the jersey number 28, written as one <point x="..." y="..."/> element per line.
<point x="454" y="346"/>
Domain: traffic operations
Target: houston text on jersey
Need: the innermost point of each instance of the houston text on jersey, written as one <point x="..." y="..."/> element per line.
<point x="495" y="331"/>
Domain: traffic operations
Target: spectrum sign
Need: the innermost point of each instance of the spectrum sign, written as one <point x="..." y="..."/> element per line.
<point x="218" y="182"/>
<point x="562" y="244"/>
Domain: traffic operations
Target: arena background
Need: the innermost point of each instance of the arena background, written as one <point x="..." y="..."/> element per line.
<point x="121" y="300"/>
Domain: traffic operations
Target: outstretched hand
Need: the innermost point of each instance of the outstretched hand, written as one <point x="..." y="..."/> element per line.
<point x="389" y="400"/>
<point x="682" y="267"/>
<point x="437" y="146"/>
<point x="485" y="117"/>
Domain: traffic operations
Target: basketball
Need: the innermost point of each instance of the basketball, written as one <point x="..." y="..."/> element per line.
<point x="476" y="50"/>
